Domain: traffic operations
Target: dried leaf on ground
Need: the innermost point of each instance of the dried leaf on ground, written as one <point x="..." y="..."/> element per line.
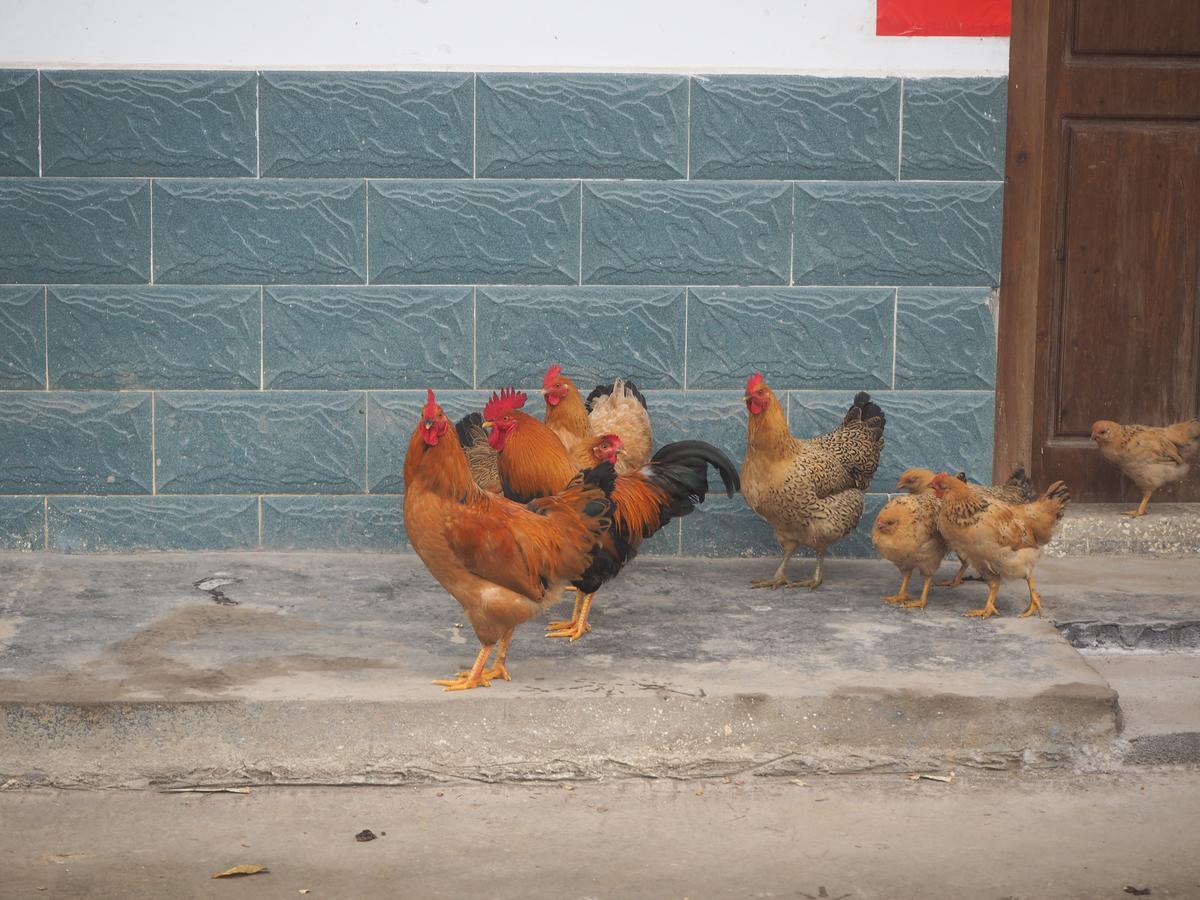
<point x="238" y="871"/>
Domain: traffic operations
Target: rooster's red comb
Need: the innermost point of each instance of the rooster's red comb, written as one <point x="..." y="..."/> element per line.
<point x="431" y="406"/>
<point x="505" y="402"/>
<point x="755" y="380"/>
<point x="552" y="373"/>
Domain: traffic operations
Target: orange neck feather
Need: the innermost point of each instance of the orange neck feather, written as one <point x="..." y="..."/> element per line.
<point x="570" y="414"/>
<point x="441" y="468"/>
<point x="768" y="429"/>
<point x="534" y="461"/>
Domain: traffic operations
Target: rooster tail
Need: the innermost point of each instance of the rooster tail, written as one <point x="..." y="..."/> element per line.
<point x="865" y="410"/>
<point x="1044" y="514"/>
<point x="1020" y="480"/>
<point x="469" y="428"/>
<point x="605" y="390"/>
<point x="681" y="469"/>
<point x="589" y="494"/>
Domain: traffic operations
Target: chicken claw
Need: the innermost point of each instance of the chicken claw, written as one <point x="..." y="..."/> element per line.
<point x="989" y="608"/>
<point x="578" y="626"/>
<point x="902" y="594"/>
<point x="777" y="582"/>
<point x="560" y="624"/>
<point x="1035" y="600"/>
<point x="959" y="577"/>
<point x="924" y="598"/>
<point x="476" y="676"/>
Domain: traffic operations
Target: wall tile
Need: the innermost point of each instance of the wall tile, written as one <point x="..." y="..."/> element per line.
<point x="663" y="544"/>
<point x="798" y="337"/>
<point x="595" y="334"/>
<point x="374" y="124"/>
<point x="99" y="122"/>
<point x="100" y="524"/>
<point x="18" y="122"/>
<point x="946" y="338"/>
<point x="954" y="128"/>
<point x="334" y="523"/>
<point x="906" y="233"/>
<point x="78" y="443"/>
<point x="770" y="126"/>
<point x="725" y="526"/>
<point x="941" y="430"/>
<point x="447" y="232"/>
<point x="67" y="231"/>
<point x="243" y="442"/>
<point x="337" y="338"/>
<point x="273" y="232"/>
<point x="22" y="338"/>
<point x="393" y="417"/>
<point x="718" y="233"/>
<point x="22" y="523"/>
<point x="581" y="126"/>
<point x="718" y="417"/>
<point x="153" y="337"/>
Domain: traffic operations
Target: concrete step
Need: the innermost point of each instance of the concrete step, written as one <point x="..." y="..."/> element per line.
<point x="116" y="670"/>
<point x="1167" y="531"/>
<point x="1160" y="704"/>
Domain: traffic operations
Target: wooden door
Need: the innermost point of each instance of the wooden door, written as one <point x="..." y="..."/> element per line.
<point x="1100" y="270"/>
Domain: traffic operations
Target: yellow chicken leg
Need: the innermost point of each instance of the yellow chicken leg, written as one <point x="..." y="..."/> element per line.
<point x="1141" y="510"/>
<point x="1035" y="599"/>
<point x="579" y="626"/>
<point x="920" y="604"/>
<point x="560" y="624"/>
<point x="958" y="578"/>
<point x="476" y="677"/>
<point x="498" y="670"/>
<point x="901" y="595"/>
<point x="989" y="608"/>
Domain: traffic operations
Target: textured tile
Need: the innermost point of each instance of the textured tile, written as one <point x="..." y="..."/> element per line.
<point x="242" y="442"/>
<point x="337" y="338"/>
<point x="334" y="523"/>
<point x="946" y="338"/>
<point x="18" y="122"/>
<point x="595" y="334"/>
<point x="942" y="430"/>
<point x="904" y="233"/>
<point x="726" y="526"/>
<point x="22" y="523"/>
<point x="64" y="231"/>
<point x="798" y="337"/>
<point x="719" y="233"/>
<point x="99" y="524"/>
<point x="374" y="124"/>
<point x="769" y="126"/>
<point x="447" y="232"/>
<point x="272" y="232"/>
<point x="581" y="126"/>
<point x="718" y="417"/>
<point x="22" y="338"/>
<point x="392" y="419"/>
<point x="153" y="337"/>
<point x="78" y="443"/>
<point x="147" y="123"/>
<point x="954" y="128"/>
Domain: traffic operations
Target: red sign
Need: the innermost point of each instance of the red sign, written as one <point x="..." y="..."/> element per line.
<point x="943" y="18"/>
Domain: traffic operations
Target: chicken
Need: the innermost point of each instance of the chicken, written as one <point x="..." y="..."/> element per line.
<point x="810" y="491"/>
<point x="481" y="458"/>
<point x="618" y="409"/>
<point x="1000" y="540"/>
<point x="502" y="561"/>
<point x="1018" y="489"/>
<point x="1149" y="457"/>
<point x="906" y="534"/>
<point x="533" y="463"/>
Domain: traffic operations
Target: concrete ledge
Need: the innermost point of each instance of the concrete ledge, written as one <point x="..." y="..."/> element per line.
<point x="1168" y="530"/>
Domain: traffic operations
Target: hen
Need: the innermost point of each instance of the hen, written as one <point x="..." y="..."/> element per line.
<point x="809" y="491"/>
<point x="1150" y="457"/>
<point x="502" y="561"/>
<point x="1018" y="489"/>
<point x="533" y="463"/>
<point x="618" y="409"/>
<point x="1002" y="541"/>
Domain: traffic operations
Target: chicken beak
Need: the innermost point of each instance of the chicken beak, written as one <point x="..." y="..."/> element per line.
<point x="487" y="426"/>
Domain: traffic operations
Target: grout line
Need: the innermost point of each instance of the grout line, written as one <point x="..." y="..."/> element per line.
<point x="46" y="332"/>
<point x="39" y="103"/>
<point x="687" y="166"/>
<point x="152" y="231"/>
<point x="474" y="116"/>
<point x="895" y="331"/>
<point x="366" y="443"/>
<point x="581" y="231"/>
<point x="792" y="244"/>
<point x="900" y="136"/>
<point x="257" y="132"/>
<point x="153" y="447"/>
<point x="262" y="380"/>
<point x="686" y="303"/>
<point x="45" y="522"/>
<point x="260" y="521"/>
<point x="367" y="230"/>
<point x="474" y="337"/>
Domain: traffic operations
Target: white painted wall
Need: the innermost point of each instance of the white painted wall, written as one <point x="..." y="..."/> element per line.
<point x="807" y="36"/>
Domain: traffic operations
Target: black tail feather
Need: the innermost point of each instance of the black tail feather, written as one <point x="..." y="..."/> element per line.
<point x="1020" y="479"/>
<point x="864" y="410"/>
<point x="603" y="476"/>
<point x="605" y="390"/>
<point x="464" y="427"/>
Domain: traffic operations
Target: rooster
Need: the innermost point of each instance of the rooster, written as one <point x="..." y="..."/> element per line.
<point x="532" y="462"/>
<point x="1149" y="457"/>
<point x="810" y="492"/>
<point x="1018" y="489"/>
<point x="1001" y="541"/>
<point x="504" y="562"/>
<point x="618" y="409"/>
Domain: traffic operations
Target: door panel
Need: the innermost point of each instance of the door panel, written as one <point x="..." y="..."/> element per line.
<point x="1137" y="28"/>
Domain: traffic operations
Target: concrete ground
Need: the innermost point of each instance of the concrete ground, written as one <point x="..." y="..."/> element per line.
<point x="986" y="836"/>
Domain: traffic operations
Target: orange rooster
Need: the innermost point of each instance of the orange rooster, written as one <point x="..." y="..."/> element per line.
<point x="618" y="409"/>
<point x="502" y="561"/>
<point x="532" y="463"/>
<point x="1001" y="541"/>
<point x="1151" y="457"/>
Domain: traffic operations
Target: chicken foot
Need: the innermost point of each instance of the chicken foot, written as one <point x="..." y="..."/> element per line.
<point x="1141" y="510"/>
<point x="560" y="624"/>
<point x="473" y="678"/>
<point x="779" y="579"/>
<point x="901" y="595"/>
<point x="1035" y="599"/>
<point x="959" y="577"/>
<point x="818" y="575"/>
<point x="578" y="626"/>
<point x="989" y="608"/>
<point x="924" y="598"/>
<point x="497" y="670"/>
